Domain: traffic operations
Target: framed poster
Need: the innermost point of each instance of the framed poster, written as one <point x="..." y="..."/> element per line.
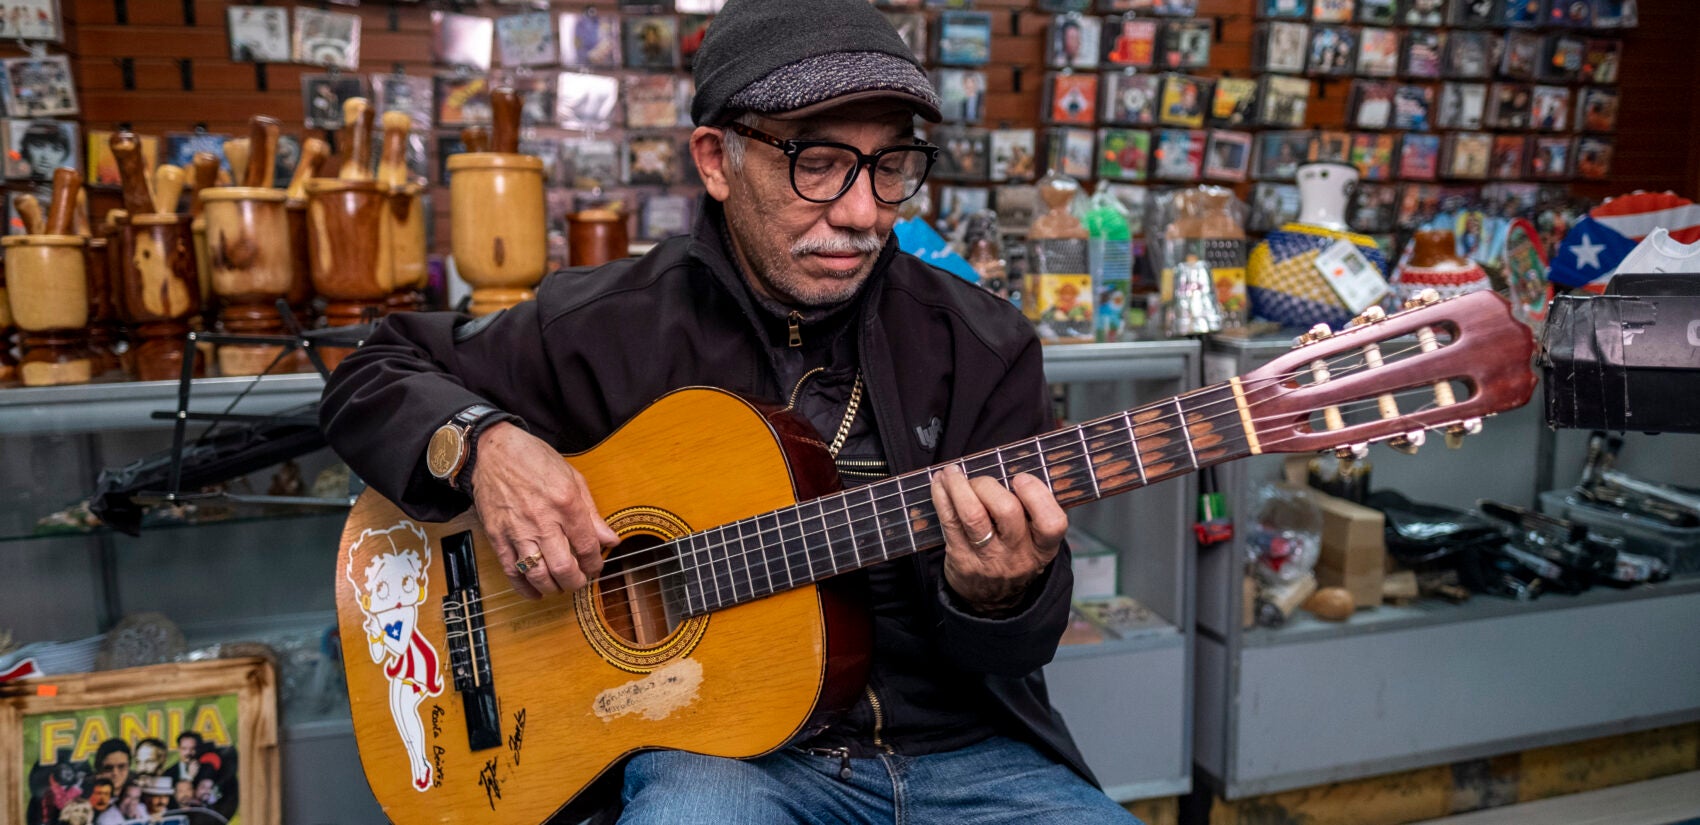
<point x="258" y="34"/>
<point x="32" y="20"/>
<point x="327" y="38"/>
<point x="170" y="744"/>
<point x="39" y="87"/>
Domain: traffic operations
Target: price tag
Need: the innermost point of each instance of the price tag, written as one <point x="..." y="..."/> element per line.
<point x="1352" y="277"/>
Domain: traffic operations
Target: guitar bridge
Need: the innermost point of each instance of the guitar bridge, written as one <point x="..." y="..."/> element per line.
<point x="469" y="660"/>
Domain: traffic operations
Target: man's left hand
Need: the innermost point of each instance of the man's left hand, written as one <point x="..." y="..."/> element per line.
<point x="996" y="540"/>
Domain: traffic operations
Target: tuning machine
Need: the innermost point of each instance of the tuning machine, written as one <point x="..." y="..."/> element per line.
<point x="1426" y="298"/>
<point x="1352" y="452"/>
<point x="1455" y="433"/>
<point x="1320" y="332"/>
<point x="1373" y="315"/>
<point x="1409" y="442"/>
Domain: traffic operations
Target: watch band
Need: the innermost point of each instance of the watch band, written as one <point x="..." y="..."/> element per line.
<point x="478" y="418"/>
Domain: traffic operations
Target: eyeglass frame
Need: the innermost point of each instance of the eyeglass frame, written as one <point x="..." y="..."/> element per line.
<point x="793" y="148"/>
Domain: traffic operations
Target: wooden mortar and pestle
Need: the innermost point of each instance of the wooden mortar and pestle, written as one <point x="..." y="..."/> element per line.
<point x="158" y="281"/>
<point x="348" y="234"/>
<point x="248" y="252"/>
<point x="48" y="288"/>
<point x="498" y="223"/>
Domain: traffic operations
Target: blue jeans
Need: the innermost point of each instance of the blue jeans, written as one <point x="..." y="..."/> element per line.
<point x="996" y="781"/>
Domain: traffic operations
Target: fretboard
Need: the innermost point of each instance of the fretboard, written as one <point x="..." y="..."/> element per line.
<point x="828" y="536"/>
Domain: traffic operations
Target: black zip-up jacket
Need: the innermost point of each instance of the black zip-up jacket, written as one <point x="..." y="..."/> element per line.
<point x="949" y="368"/>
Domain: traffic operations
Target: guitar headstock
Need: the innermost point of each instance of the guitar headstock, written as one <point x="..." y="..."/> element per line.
<point x="1435" y="365"/>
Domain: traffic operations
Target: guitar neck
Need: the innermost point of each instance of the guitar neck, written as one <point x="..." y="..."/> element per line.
<point x="825" y="537"/>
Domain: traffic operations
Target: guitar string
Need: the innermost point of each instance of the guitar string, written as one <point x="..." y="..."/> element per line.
<point x="1073" y="474"/>
<point x="1357" y="364"/>
<point x="855" y="536"/>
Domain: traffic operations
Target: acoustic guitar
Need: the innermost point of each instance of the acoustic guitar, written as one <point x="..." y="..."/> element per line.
<point x="715" y="627"/>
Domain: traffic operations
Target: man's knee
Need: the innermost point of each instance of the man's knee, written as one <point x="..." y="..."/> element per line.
<point x="678" y="788"/>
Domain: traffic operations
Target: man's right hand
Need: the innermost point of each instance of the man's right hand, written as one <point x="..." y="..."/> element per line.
<point x="533" y="503"/>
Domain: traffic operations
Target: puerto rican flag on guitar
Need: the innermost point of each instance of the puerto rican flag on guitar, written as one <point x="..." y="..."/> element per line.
<point x="1590" y="253"/>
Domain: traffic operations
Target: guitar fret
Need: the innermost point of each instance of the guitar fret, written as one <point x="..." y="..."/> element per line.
<point x="1133" y="444"/>
<point x="793" y="547"/>
<point x="696" y="567"/>
<point x="846" y="538"/>
<point x="879" y="533"/>
<point x="1086" y="456"/>
<point x="705" y="571"/>
<point x="716" y="561"/>
<point x="726" y="561"/>
<point x="903" y="507"/>
<point x="834" y="545"/>
<point x="734" y="570"/>
<point x="803" y="533"/>
<point x="1003" y="469"/>
<point x="826" y="536"/>
<point x="1180" y="421"/>
<point x="764" y="525"/>
<point x="716" y="545"/>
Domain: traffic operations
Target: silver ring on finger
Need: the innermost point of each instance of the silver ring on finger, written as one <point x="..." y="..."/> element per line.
<point x="984" y="540"/>
<point x="527" y="563"/>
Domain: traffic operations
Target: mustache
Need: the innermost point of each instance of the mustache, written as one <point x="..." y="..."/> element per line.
<point x="844" y="243"/>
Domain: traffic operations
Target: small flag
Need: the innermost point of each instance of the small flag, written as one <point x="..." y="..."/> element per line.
<point x="1592" y="249"/>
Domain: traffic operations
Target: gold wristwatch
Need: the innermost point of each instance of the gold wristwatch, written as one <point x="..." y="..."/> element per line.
<point x="449" y="453"/>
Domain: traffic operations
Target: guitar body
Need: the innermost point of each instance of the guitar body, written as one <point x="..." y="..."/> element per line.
<point x="574" y="684"/>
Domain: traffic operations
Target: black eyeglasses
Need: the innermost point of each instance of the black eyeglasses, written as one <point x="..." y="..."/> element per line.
<point x="822" y="171"/>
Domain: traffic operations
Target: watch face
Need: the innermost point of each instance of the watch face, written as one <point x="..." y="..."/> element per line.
<point x="443" y="454"/>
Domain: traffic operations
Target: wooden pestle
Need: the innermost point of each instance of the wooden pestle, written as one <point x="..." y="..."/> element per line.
<point x="67" y="184"/>
<point x="357" y="117"/>
<point x="504" y="117"/>
<point x="476" y="138"/>
<point x="204" y="169"/>
<point x="262" y="152"/>
<point x="236" y="154"/>
<point x="168" y="187"/>
<point x="80" y="217"/>
<point x="29" y="209"/>
<point x="392" y="162"/>
<point x="127" y="149"/>
<point x="313" y="152"/>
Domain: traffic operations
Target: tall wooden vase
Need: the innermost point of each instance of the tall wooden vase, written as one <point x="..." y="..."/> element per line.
<point x="250" y="267"/>
<point x="161" y="292"/>
<point x="48" y="290"/>
<point x="348" y="240"/>
<point x="498" y="226"/>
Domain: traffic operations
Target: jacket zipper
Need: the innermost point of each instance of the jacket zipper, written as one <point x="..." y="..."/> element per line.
<point x="797" y="390"/>
<point x="879" y="719"/>
<point x="794" y="325"/>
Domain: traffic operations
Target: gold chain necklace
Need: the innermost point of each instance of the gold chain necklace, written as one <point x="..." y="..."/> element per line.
<point x="849" y="417"/>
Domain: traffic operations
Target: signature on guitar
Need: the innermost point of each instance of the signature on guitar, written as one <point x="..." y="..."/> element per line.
<point x="518" y="737"/>
<point x="491" y="784"/>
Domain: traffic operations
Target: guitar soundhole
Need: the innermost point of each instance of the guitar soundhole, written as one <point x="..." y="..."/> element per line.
<point x="641" y="595"/>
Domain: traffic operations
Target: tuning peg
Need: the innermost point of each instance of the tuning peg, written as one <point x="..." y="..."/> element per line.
<point x="1320" y="332"/>
<point x="1409" y="442"/>
<point x="1426" y="298"/>
<point x="1373" y="315"/>
<point x="1455" y="433"/>
<point x="1352" y="452"/>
